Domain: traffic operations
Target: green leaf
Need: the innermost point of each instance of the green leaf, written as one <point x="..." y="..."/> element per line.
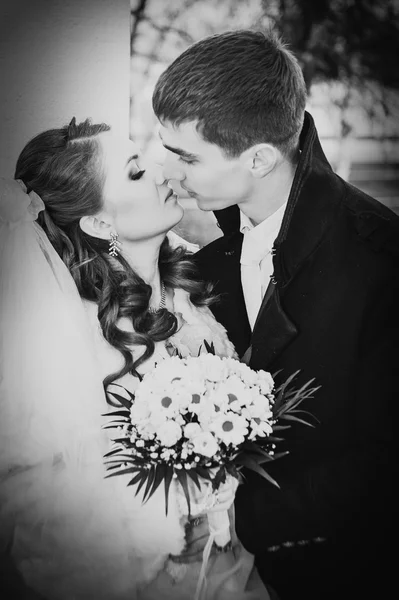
<point x="168" y="481"/>
<point x="204" y="473"/>
<point x="288" y="399"/>
<point x="280" y="454"/>
<point x="122" y="388"/>
<point x="182" y="477"/>
<point x="117" y="413"/>
<point x="143" y="479"/>
<point x="255" y="448"/>
<point x="136" y="478"/>
<point x="111" y="452"/>
<point x="125" y="457"/>
<point x="209" y="347"/>
<point x="219" y="478"/>
<point x="160" y="473"/>
<point x="297" y="419"/>
<point x="154" y="480"/>
<point x="123" y="401"/>
<point x="192" y="473"/>
<point x="244" y="456"/>
<point x="110" y="467"/>
<point x="121" y="472"/>
<point x="150" y="480"/>
<point x="232" y="470"/>
<point x="253" y="465"/>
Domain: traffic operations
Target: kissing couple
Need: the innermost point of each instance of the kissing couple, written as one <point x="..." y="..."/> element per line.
<point x="96" y="289"/>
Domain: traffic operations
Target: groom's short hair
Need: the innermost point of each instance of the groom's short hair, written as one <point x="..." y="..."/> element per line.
<point x="241" y="87"/>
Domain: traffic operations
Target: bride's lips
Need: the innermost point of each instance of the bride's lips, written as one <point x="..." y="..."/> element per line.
<point x="168" y="195"/>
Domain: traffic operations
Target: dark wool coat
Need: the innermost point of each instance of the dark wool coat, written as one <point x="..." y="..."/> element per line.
<point x="332" y="314"/>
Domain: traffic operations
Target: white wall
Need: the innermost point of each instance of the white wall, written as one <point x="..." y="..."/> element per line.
<point x="59" y="59"/>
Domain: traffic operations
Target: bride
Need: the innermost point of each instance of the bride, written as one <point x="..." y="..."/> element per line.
<point x="94" y="291"/>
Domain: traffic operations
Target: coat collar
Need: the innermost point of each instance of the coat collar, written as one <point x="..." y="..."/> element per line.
<point x="310" y="207"/>
<point x="313" y="200"/>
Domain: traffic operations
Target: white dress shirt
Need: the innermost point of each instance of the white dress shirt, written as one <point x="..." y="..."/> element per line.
<point x="256" y="259"/>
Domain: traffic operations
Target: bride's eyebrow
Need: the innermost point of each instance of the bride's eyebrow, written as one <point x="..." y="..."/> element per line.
<point x="131" y="159"/>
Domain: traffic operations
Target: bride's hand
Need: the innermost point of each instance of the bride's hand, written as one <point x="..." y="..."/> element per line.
<point x="224" y="496"/>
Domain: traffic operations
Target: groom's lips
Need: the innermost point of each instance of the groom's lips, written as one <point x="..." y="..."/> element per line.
<point x="189" y="192"/>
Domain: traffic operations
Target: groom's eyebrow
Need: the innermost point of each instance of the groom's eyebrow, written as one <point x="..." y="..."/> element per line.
<point x="181" y="152"/>
<point x="178" y="151"/>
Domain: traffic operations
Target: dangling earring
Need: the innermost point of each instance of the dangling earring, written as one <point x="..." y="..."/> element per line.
<point x="114" y="245"/>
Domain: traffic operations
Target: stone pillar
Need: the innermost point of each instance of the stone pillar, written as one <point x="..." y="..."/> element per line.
<point x="59" y="59"/>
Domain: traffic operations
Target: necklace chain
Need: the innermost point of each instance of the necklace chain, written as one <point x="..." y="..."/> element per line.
<point x="162" y="302"/>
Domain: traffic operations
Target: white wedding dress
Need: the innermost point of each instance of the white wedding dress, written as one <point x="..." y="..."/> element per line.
<point x="71" y="533"/>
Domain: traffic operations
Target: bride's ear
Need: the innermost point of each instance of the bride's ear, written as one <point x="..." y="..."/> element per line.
<point x="95" y="227"/>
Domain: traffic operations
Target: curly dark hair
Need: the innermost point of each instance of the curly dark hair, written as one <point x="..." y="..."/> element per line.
<point x="63" y="166"/>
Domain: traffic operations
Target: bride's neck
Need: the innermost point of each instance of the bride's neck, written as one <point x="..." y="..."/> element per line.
<point x="143" y="257"/>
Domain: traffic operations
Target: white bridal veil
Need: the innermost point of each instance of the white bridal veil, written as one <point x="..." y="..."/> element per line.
<point x="49" y="381"/>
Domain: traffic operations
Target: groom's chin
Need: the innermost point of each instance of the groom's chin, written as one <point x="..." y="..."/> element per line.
<point x="204" y="204"/>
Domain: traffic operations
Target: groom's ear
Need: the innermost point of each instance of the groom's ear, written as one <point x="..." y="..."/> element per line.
<point x="261" y="159"/>
<point x="96" y="227"/>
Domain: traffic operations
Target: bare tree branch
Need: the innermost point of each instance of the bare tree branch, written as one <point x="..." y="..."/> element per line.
<point x="164" y="29"/>
<point x="137" y="15"/>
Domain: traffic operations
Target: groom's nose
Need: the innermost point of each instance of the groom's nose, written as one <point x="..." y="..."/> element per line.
<point x="172" y="169"/>
<point x="159" y="177"/>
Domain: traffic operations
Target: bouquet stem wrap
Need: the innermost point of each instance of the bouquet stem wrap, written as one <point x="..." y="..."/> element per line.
<point x="219" y="532"/>
<point x="219" y="527"/>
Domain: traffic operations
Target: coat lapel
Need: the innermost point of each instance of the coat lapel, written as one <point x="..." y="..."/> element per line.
<point x="311" y="206"/>
<point x="273" y="331"/>
<point x="231" y="311"/>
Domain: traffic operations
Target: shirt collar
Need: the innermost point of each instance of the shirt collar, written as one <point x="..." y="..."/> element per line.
<point x="266" y="232"/>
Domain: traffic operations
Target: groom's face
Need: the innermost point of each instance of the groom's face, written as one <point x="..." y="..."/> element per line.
<point x="202" y="169"/>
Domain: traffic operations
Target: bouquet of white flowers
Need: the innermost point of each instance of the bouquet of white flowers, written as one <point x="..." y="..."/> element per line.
<point x="200" y="418"/>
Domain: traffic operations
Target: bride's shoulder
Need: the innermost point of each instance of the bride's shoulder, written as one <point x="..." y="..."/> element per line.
<point x="200" y="323"/>
<point x="176" y="240"/>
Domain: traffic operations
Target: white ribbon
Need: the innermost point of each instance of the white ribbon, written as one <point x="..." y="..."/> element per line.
<point x="219" y="524"/>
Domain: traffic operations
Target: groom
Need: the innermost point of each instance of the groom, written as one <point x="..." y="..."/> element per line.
<point x="307" y="270"/>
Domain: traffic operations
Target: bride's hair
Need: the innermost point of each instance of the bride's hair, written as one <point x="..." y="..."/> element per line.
<point x="63" y="166"/>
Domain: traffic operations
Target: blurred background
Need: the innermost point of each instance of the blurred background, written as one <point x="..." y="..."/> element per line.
<point x="348" y="50"/>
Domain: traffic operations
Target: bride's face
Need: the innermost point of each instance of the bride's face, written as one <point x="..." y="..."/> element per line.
<point x="137" y="202"/>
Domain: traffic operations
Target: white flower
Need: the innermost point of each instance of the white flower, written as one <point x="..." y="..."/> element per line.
<point x="259" y="428"/>
<point x="207" y="415"/>
<point x="167" y="404"/>
<point x="247" y="375"/>
<point x="238" y="394"/>
<point x="149" y="428"/>
<point x="205" y="444"/>
<point x="191" y="430"/>
<point x="230" y="428"/>
<point x="169" y="433"/>
<point x="165" y="371"/>
<point x="214" y="367"/>
<point x="218" y="399"/>
<point x="260" y="406"/>
<point x="139" y="412"/>
<point x="265" y="382"/>
<point x="198" y="403"/>
<point x="195" y="370"/>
